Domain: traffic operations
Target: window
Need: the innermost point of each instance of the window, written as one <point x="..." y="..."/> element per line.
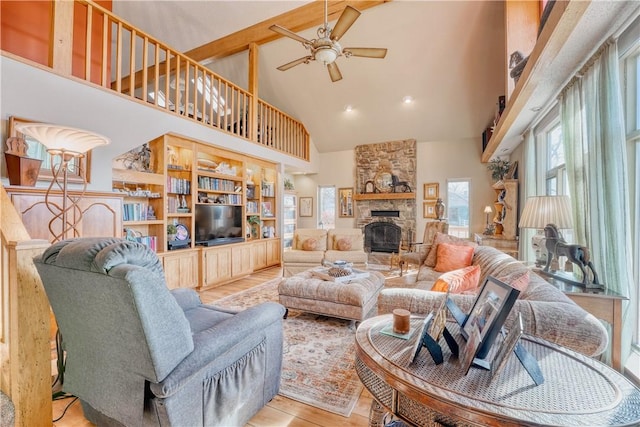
<point x="630" y="69"/>
<point x="556" y="176"/>
<point x="458" y="207"/>
<point x="327" y="207"/>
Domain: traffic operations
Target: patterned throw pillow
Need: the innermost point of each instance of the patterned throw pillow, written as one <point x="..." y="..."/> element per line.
<point x="309" y="245"/>
<point x="518" y="280"/>
<point x="430" y="260"/>
<point x="343" y="244"/>
<point x="452" y="257"/>
<point x="458" y="281"/>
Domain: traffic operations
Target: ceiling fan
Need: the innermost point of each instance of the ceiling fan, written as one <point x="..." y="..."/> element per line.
<point x="325" y="48"/>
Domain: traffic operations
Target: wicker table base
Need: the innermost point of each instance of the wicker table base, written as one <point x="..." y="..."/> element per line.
<point x="577" y="390"/>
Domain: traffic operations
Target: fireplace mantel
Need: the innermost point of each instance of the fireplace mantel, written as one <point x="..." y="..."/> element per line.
<point x="384" y="196"/>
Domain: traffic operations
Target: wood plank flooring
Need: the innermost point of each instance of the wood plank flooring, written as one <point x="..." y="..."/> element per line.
<point x="281" y="411"/>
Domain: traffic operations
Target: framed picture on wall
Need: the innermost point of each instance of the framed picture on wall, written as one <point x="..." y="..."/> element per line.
<point x="306" y="206"/>
<point x="431" y="190"/>
<point x="429" y="209"/>
<point x="345" y="202"/>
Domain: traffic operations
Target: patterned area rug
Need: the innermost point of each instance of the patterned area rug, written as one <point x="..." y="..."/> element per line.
<point x="319" y="353"/>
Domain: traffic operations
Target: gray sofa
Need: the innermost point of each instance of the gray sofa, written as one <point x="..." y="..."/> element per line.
<point x="139" y="354"/>
<point x="547" y="312"/>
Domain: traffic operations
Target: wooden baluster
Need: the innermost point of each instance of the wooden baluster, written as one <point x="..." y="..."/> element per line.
<point x="87" y="49"/>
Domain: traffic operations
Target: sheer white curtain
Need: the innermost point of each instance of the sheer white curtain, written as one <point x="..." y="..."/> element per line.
<point x="593" y="133"/>
<point x="529" y="189"/>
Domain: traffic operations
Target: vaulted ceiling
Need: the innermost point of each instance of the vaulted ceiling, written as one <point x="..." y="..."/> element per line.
<point x="448" y="55"/>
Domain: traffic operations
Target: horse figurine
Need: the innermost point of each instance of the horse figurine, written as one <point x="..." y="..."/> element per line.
<point x="579" y="255"/>
<point x="395" y="182"/>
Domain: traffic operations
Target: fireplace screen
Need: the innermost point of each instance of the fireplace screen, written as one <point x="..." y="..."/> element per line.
<point x="382" y="236"/>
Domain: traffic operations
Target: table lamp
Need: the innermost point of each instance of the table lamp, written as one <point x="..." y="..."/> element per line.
<point x="64" y="144"/>
<point x="487" y="210"/>
<point x="538" y="212"/>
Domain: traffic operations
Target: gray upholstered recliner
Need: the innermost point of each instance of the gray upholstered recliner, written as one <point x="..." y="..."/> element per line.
<point x="139" y="354"/>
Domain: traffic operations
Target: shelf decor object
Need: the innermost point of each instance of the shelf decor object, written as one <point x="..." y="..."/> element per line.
<point x="64" y="145"/>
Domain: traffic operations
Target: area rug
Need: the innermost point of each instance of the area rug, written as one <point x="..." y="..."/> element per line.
<point x="319" y="353"/>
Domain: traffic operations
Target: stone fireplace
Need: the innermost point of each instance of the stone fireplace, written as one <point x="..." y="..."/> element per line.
<point x="397" y="158"/>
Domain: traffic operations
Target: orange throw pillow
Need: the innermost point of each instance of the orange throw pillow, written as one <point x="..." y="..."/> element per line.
<point x="458" y="281"/>
<point x="452" y="257"/>
<point x="344" y="244"/>
<point x="309" y="245"/>
<point x="430" y="260"/>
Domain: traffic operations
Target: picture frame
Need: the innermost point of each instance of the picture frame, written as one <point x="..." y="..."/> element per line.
<point x="306" y="206"/>
<point x="429" y="209"/>
<point x="488" y="312"/>
<point x="507" y="346"/>
<point x="431" y="191"/>
<point x="80" y="166"/>
<point x="266" y="209"/>
<point x="345" y="202"/>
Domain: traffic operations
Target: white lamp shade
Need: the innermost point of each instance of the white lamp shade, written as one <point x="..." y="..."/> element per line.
<point x="487" y="209"/>
<point x="62" y="138"/>
<point x="542" y="210"/>
<point x="326" y="55"/>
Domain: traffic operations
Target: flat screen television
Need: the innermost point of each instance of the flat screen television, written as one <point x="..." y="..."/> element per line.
<point x="218" y="224"/>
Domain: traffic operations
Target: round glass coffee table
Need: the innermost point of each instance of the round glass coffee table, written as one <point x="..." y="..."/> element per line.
<point x="577" y="390"/>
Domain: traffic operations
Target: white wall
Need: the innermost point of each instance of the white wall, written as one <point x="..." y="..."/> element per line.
<point x="436" y="162"/>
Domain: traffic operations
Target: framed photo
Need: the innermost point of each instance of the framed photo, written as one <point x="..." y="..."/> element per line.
<point x="422" y="330"/>
<point x="429" y="209"/>
<point x="345" y="202"/>
<point x="508" y="345"/>
<point x="266" y="209"/>
<point x="472" y="348"/>
<point x="431" y="190"/>
<point x="78" y="167"/>
<point x="306" y="206"/>
<point x="489" y="311"/>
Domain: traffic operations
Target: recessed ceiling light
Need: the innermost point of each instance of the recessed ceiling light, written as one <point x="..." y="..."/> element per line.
<point x="407" y="99"/>
<point x="348" y="108"/>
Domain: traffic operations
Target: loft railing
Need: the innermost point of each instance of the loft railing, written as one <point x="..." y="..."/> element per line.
<point x="122" y="58"/>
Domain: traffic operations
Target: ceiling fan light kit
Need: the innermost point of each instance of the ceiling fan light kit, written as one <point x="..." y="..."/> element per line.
<point x="326" y="49"/>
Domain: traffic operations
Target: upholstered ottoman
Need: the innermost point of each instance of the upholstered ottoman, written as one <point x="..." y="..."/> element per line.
<point x="354" y="300"/>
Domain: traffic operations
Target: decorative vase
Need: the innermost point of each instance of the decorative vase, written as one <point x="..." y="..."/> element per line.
<point x="439" y="209"/>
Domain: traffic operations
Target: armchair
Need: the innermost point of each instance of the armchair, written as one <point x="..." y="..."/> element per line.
<point x="139" y="354"/>
<point x="418" y="250"/>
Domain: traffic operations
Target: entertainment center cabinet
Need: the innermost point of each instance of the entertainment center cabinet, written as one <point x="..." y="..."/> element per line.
<point x="183" y="174"/>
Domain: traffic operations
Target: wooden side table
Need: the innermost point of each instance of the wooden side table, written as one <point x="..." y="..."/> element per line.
<point x="577" y="390"/>
<point x="603" y="304"/>
<point x="500" y="242"/>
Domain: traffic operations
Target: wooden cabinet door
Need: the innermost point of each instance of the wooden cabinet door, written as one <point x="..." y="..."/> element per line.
<point x="216" y="266"/>
<point x="181" y="269"/>
<point x="273" y="252"/>
<point x="101" y="217"/>
<point x="241" y="262"/>
<point x="259" y="250"/>
<point x="35" y="215"/>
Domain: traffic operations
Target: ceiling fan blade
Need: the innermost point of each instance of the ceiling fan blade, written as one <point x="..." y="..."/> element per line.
<point x="366" y="52"/>
<point x="334" y="72"/>
<point x="292" y="64"/>
<point x="281" y="30"/>
<point x="346" y="20"/>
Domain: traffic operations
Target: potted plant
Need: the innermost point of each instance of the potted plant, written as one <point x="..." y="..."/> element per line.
<point x="498" y="168"/>
<point x="171" y="231"/>
<point x="254" y="222"/>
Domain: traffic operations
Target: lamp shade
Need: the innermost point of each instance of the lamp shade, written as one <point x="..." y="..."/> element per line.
<point x="542" y="210"/>
<point x="62" y="138"/>
<point x="487" y="209"/>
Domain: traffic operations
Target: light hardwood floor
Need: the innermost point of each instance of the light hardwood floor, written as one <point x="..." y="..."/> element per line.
<point x="281" y="411"/>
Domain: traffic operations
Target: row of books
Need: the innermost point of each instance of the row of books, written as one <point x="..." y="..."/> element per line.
<point x="268" y="189"/>
<point x="252" y="208"/>
<point x="229" y="199"/>
<point x="149" y="241"/>
<point x="137" y="212"/>
<point x="178" y="185"/>
<point x="218" y="184"/>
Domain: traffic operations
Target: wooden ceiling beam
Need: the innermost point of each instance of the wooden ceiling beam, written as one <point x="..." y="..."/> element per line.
<point x="296" y="20"/>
